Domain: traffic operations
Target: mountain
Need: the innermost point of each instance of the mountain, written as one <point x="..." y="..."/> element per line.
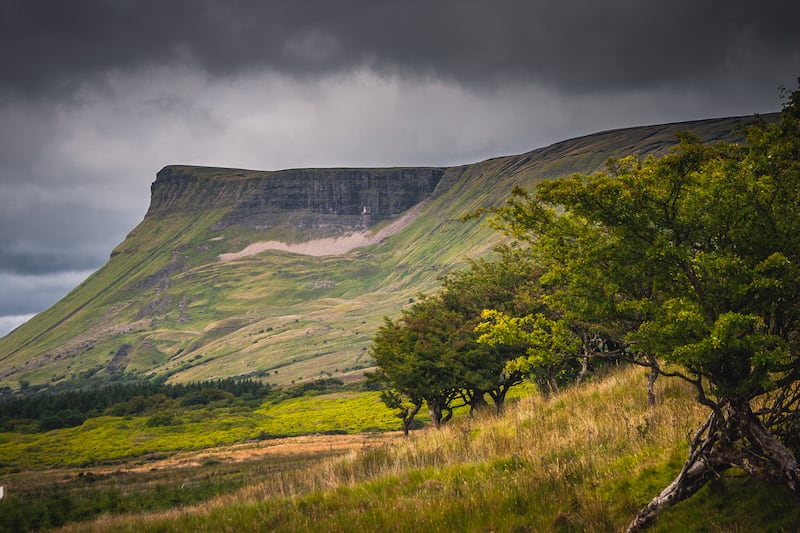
<point x="285" y="276"/>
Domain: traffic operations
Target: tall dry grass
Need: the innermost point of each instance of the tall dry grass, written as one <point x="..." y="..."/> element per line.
<point x="575" y="461"/>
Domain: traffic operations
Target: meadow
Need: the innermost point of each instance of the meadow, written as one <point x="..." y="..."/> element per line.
<point x="584" y="460"/>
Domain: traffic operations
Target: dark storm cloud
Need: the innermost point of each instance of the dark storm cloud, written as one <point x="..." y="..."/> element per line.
<point x="581" y="45"/>
<point x="54" y="239"/>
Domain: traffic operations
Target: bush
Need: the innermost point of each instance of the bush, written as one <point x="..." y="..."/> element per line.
<point x="163" y="419"/>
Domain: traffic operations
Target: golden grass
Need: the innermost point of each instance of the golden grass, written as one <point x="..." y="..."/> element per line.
<point x="580" y="445"/>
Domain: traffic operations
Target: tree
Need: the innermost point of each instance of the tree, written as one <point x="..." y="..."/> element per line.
<point x="406" y="406"/>
<point x="501" y="284"/>
<point x="709" y="236"/>
<point x="432" y="353"/>
<point x="575" y="302"/>
<point x="546" y="344"/>
<point x="416" y="358"/>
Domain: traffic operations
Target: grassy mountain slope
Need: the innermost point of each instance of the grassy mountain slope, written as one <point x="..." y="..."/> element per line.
<point x="166" y="305"/>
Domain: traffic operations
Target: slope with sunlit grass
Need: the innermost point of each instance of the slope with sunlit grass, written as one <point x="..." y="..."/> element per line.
<point x="584" y="460"/>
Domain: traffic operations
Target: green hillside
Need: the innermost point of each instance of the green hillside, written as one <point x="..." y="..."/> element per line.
<point x="166" y="304"/>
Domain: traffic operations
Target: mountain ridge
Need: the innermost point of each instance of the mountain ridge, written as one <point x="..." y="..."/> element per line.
<point x="185" y="314"/>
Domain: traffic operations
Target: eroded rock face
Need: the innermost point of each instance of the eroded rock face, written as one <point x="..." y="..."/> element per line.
<point x="331" y="200"/>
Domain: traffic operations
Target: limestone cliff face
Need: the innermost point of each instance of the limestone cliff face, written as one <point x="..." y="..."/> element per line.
<point x="317" y="200"/>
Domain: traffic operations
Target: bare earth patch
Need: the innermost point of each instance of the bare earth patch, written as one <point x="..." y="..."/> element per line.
<point x="288" y="446"/>
<point x="330" y="245"/>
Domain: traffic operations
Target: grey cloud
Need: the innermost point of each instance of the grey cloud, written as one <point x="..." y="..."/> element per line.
<point x="55" y="238"/>
<point x="26" y="293"/>
<point x="579" y="45"/>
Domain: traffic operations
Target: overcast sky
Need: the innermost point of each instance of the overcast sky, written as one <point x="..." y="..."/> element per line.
<point x="97" y="95"/>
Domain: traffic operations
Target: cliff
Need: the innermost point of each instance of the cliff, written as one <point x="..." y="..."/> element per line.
<point x="318" y="201"/>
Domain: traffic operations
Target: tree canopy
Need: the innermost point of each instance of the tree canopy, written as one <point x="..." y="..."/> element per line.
<point x="694" y="258"/>
<point x="431" y="354"/>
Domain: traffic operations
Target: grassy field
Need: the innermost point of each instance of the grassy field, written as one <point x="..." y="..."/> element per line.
<point x="584" y="460"/>
<point x="106" y="439"/>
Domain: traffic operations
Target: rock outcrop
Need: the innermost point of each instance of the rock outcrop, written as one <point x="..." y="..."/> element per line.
<point x="317" y="201"/>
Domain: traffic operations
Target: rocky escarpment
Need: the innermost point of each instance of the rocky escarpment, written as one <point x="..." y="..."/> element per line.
<point x="319" y="201"/>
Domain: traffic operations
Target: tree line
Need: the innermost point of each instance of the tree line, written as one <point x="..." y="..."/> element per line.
<point x="687" y="264"/>
<point x="45" y="411"/>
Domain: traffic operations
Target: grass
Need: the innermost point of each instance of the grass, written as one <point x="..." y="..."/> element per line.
<point x="585" y="460"/>
<point x="55" y="499"/>
<point x="108" y="439"/>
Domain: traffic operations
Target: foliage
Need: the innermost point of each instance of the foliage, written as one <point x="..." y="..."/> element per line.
<point x="433" y="353"/>
<point x="693" y="258"/>
<point x="405" y="407"/>
<point x="419" y="358"/>
<point x="45" y="411"/>
<point x="108" y="438"/>
<point x="547" y="344"/>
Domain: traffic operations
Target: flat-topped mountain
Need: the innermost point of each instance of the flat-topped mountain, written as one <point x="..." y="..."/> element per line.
<point x="285" y="275"/>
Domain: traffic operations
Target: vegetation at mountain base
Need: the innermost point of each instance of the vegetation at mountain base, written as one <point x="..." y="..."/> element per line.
<point x="160" y="425"/>
<point x="53" y="410"/>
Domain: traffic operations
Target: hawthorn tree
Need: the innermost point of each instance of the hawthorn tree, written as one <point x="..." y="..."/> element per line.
<point x="503" y="284"/>
<point x="547" y="345"/>
<point x="416" y="358"/>
<point x="406" y="405"/>
<point x="432" y="354"/>
<point x="707" y="238"/>
<point x="575" y="312"/>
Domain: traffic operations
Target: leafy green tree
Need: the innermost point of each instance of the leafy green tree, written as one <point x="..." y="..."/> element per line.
<point x="571" y="314"/>
<point x="699" y="265"/>
<point x="589" y="281"/>
<point x="546" y="344"/>
<point x="501" y="284"/>
<point x="431" y="354"/>
<point x="406" y="406"/>
<point x="416" y="359"/>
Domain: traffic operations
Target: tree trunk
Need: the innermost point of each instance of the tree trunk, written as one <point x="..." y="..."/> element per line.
<point x="499" y="398"/>
<point x="772" y="460"/>
<point x="477" y="402"/>
<point x="584" y="359"/>
<point x="695" y="474"/>
<point x="543" y="384"/>
<point x="446" y="418"/>
<point x="737" y="439"/>
<point x="698" y="469"/>
<point x="408" y="417"/>
<point x="551" y="381"/>
<point x="435" y="413"/>
<point x="651" y="379"/>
